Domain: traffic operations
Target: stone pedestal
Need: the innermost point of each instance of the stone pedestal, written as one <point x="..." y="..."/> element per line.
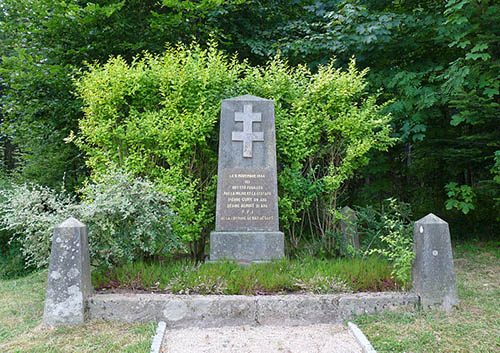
<point x="68" y="286"/>
<point x="433" y="272"/>
<point x="246" y="223"/>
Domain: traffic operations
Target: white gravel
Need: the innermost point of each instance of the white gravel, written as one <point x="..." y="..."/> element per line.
<point x="322" y="338"/>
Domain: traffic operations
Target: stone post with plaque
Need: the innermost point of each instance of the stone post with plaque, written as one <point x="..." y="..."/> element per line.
<point x="246" y="223"/>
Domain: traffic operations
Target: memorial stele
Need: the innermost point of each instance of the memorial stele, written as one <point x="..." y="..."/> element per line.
<point x="246" y="223"/>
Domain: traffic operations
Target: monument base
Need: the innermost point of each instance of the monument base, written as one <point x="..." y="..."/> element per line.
<point x="247" y="246"/>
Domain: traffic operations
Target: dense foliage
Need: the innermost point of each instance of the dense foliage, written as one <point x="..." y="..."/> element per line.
<point x="128" y="219"/>
<point x="439" y="60"/>
<point x="436" y="61"/>
<point x="30" y="213"/>
<point x="158" y="117"/>
<point x="388" y="231"/>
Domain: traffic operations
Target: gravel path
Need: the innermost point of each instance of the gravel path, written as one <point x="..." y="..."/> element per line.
<point x="261" y="339"/>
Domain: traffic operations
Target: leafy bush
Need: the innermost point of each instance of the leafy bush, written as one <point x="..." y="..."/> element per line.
<point x="12" y="262"/>
<point x="459" y="197"/>
<point x="389" y="232"/>
<point x="158" y="117"/>
<point x="496" y="168"/>
<point x="31" y="212"/>
<point x="11" y="258"/>
<point x="127" y="219"/>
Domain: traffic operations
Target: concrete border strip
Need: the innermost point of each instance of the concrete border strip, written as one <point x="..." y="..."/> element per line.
<point x="158" y="337"/>
<point x="179" y="311"/>
<point x="361" y="338"/>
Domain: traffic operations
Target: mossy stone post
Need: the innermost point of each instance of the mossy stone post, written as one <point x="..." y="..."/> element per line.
<point x="68" y="285"/>
<point x="246" y="220"/>
<point x="433" y="272"/>
<point x="349" y="228"/>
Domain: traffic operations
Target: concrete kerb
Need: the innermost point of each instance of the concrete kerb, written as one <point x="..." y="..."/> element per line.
<point x="158" y="337"/>
<point x="361" y="338"/>
<point x="180" y="311"/>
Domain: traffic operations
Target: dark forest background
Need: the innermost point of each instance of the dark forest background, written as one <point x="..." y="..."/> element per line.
<point x="437" y="62"/>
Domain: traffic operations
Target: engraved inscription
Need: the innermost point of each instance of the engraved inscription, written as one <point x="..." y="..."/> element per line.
<point x="247" y="135"/>
<point x="247" y="199"/>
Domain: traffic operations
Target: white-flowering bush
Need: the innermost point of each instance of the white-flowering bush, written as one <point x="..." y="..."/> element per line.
<point x="127" y="219"/>
<point x="31" y="212"/>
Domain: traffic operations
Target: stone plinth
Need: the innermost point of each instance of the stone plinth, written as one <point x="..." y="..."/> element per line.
<point x="246" y="223"/>
<point x="433" y="272"/>
<point x="68" y="286"/>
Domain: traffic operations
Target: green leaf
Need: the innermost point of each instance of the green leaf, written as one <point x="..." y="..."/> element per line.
<point x="482" y="56"/>
<point x="490" y="92"/>
<point x="449" y="204"/>
<point x="479" y="47"/>
<point x="465" y="208"/>
<point x="457" y="119"/>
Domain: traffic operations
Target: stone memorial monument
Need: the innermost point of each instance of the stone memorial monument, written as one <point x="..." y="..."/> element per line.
<point x="68" y="285"/>
<point x="433" y="272"/>
<point x="246" y="223"/>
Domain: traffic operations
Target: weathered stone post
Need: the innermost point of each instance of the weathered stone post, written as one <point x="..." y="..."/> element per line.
<point x="433" y="272"/>
<point x="68" y="286"/>
<point x="349" y="228"/>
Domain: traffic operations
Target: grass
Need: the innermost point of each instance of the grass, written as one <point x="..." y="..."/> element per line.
<point x="473" y="327"/>
<point x="277" y="277"/>
<point x="21" y="309"/>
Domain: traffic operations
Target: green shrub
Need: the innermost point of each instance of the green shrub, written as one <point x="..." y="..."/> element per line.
<point x="460" y="197"/>
<point x="11" y="259"/>
<point x="389" y="233"/>
<point x="12" y="264"/>
<point x="30" y="212"/>
<point x="4" y="235"/>
<point x="128" y="219"/>
<point x="158" y="117"/>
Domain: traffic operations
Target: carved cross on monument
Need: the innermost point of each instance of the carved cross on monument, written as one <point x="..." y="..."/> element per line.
<point x="247" y="135"/>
